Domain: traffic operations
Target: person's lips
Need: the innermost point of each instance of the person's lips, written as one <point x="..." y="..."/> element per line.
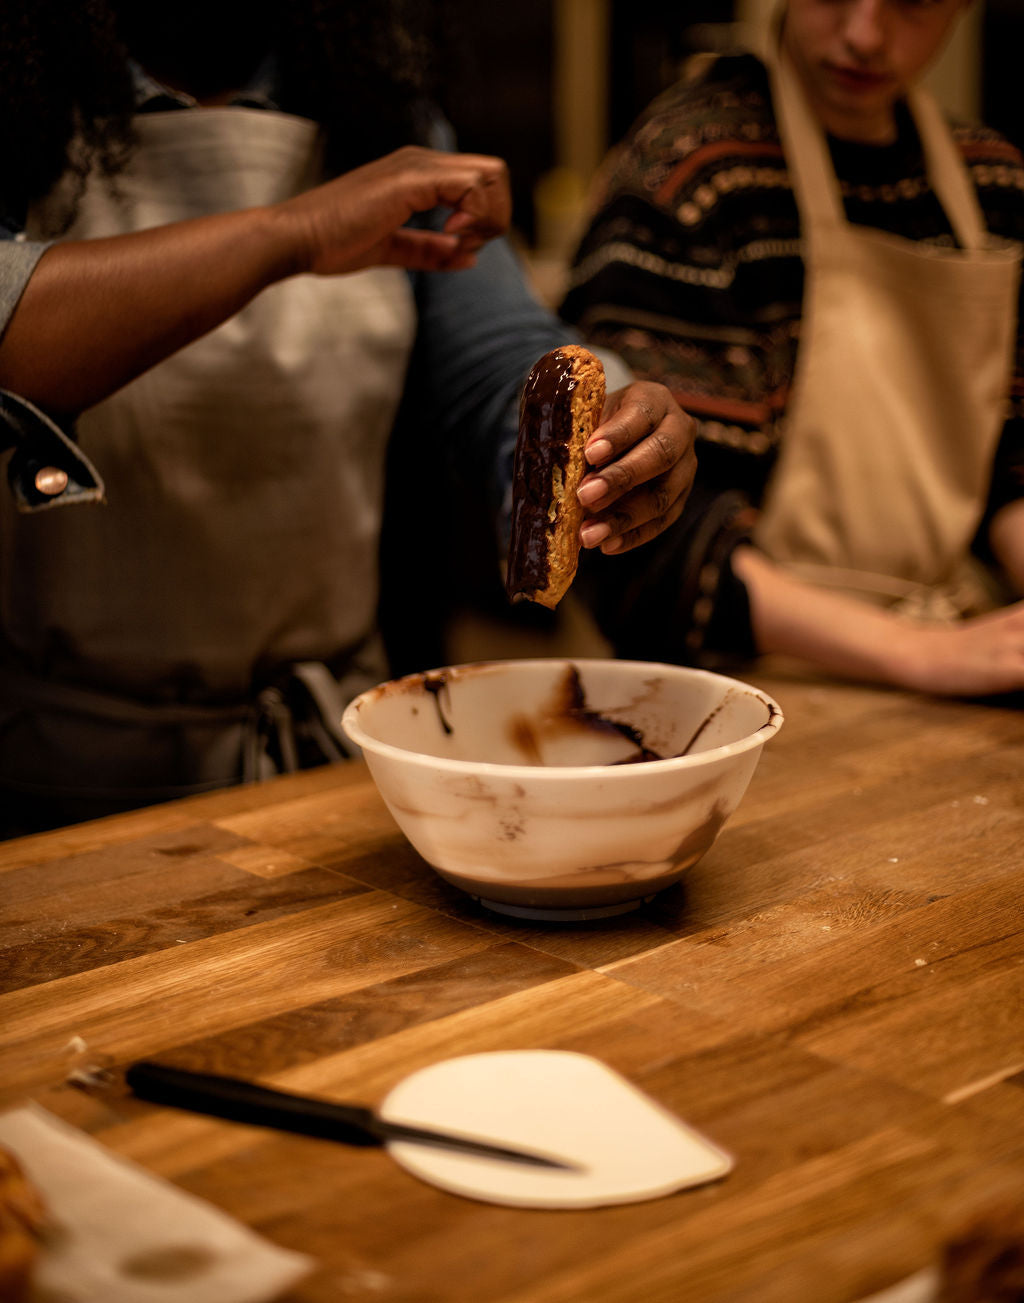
<point x="857" y="79"/>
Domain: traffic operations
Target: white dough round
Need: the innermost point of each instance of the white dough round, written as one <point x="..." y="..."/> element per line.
<point x="551" y="1102"/>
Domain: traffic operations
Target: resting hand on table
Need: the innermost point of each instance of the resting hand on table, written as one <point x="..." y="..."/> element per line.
<point x="978" y="657"/>
<point x="983" y="656"/>
<point x="642" y="466"/>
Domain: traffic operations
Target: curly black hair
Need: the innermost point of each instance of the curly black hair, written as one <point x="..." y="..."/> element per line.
<point x="363" y="69"/>
<point x="62" y="71"/>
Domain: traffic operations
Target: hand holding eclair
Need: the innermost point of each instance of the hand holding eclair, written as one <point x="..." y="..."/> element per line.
<point x="629" y="454"/>
<point x="642" y="466"/>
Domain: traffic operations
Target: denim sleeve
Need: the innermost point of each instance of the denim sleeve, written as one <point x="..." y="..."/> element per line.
<point x="480" y="332"/>
<point x="450" y="459"/>
<point x="449" y="477"/>
<point x="46" y="468"/>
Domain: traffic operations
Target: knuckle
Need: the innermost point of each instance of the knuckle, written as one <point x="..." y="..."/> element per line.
<point x="645" y="532"/>
<point x="632" y="539"/>
<point x="617" y="476"/>
<point x="621" y="522"/>
<point x="664" y="447"/>
<point x="663" y="499"/>
<point x="649" y="412"/>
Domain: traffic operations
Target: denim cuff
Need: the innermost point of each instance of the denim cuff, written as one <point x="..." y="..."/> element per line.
<point x="47" y="468"/>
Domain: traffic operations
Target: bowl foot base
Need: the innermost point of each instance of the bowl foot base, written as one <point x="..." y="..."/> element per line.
<point x="564" y="915"/>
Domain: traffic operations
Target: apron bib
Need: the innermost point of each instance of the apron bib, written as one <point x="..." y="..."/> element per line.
<point x="244" y="481"/>
<point x="901" y="384"/>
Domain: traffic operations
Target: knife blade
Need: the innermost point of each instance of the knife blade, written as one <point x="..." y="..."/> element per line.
<point x="351" y="1124"/>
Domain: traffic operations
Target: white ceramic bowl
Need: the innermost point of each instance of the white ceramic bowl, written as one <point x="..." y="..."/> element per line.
<point x="514" y="779"/>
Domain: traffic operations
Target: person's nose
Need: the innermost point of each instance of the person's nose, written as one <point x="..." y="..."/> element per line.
<point x="864" y="27"/>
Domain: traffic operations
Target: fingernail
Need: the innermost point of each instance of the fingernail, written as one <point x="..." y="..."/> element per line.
<point x="591" y="492"/>
<point x="598" y="451"/>
<point x="594" y="533"/>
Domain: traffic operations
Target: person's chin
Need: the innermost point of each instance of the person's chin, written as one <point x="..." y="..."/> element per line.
<point x="855" y="85"/>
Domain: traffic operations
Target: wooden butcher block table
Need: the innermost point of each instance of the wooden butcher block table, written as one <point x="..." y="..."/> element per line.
<point x="834" y="995"/>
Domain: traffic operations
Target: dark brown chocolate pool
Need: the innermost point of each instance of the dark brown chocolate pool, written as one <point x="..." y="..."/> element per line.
<point x="575" y="710"/>
<point x="568" y="706"/>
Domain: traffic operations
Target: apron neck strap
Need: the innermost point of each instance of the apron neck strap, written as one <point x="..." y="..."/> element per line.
<point x="814" y="180"/>
<point x="947" y="171"/>
<point x="813" y="176"/>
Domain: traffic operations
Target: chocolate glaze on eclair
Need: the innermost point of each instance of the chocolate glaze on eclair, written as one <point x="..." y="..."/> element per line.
<point x="561" y="407"/>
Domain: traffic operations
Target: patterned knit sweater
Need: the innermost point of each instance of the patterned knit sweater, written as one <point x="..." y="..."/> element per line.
<point x="692" y="269"/>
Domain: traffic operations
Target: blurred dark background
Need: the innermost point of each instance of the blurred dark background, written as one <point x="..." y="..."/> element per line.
<point x="1002" y="105"/>
<point x="503" y="90"/>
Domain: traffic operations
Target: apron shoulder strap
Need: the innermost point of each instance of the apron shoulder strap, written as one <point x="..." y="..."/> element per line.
<point x="947" y="171"/>
<point x="813" y="177"/>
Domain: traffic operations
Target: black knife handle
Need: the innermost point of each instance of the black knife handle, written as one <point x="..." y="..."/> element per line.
<point x="244" y="1101"/>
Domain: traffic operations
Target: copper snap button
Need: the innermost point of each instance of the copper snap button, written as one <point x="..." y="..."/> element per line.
<point x="51" y="481"/>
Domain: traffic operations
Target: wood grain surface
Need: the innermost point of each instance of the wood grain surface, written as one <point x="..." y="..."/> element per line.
<point x="834" y="994"/>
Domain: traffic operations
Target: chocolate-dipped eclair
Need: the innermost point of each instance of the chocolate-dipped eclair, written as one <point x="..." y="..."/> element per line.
<point x="561" y="407"/>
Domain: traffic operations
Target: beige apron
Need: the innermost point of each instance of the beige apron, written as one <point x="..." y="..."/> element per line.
<point x="901" y="384"/>
<point x="244" y="480"/>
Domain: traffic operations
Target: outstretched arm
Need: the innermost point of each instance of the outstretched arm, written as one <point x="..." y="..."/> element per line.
<point x="97" y="313"/>
<point x="977" y="657"/>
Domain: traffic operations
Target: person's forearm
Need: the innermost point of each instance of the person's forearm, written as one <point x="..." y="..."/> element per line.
<point x="97" y="313"/>
<point x="843" y="635"/>
<point x="838" y="633"/>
